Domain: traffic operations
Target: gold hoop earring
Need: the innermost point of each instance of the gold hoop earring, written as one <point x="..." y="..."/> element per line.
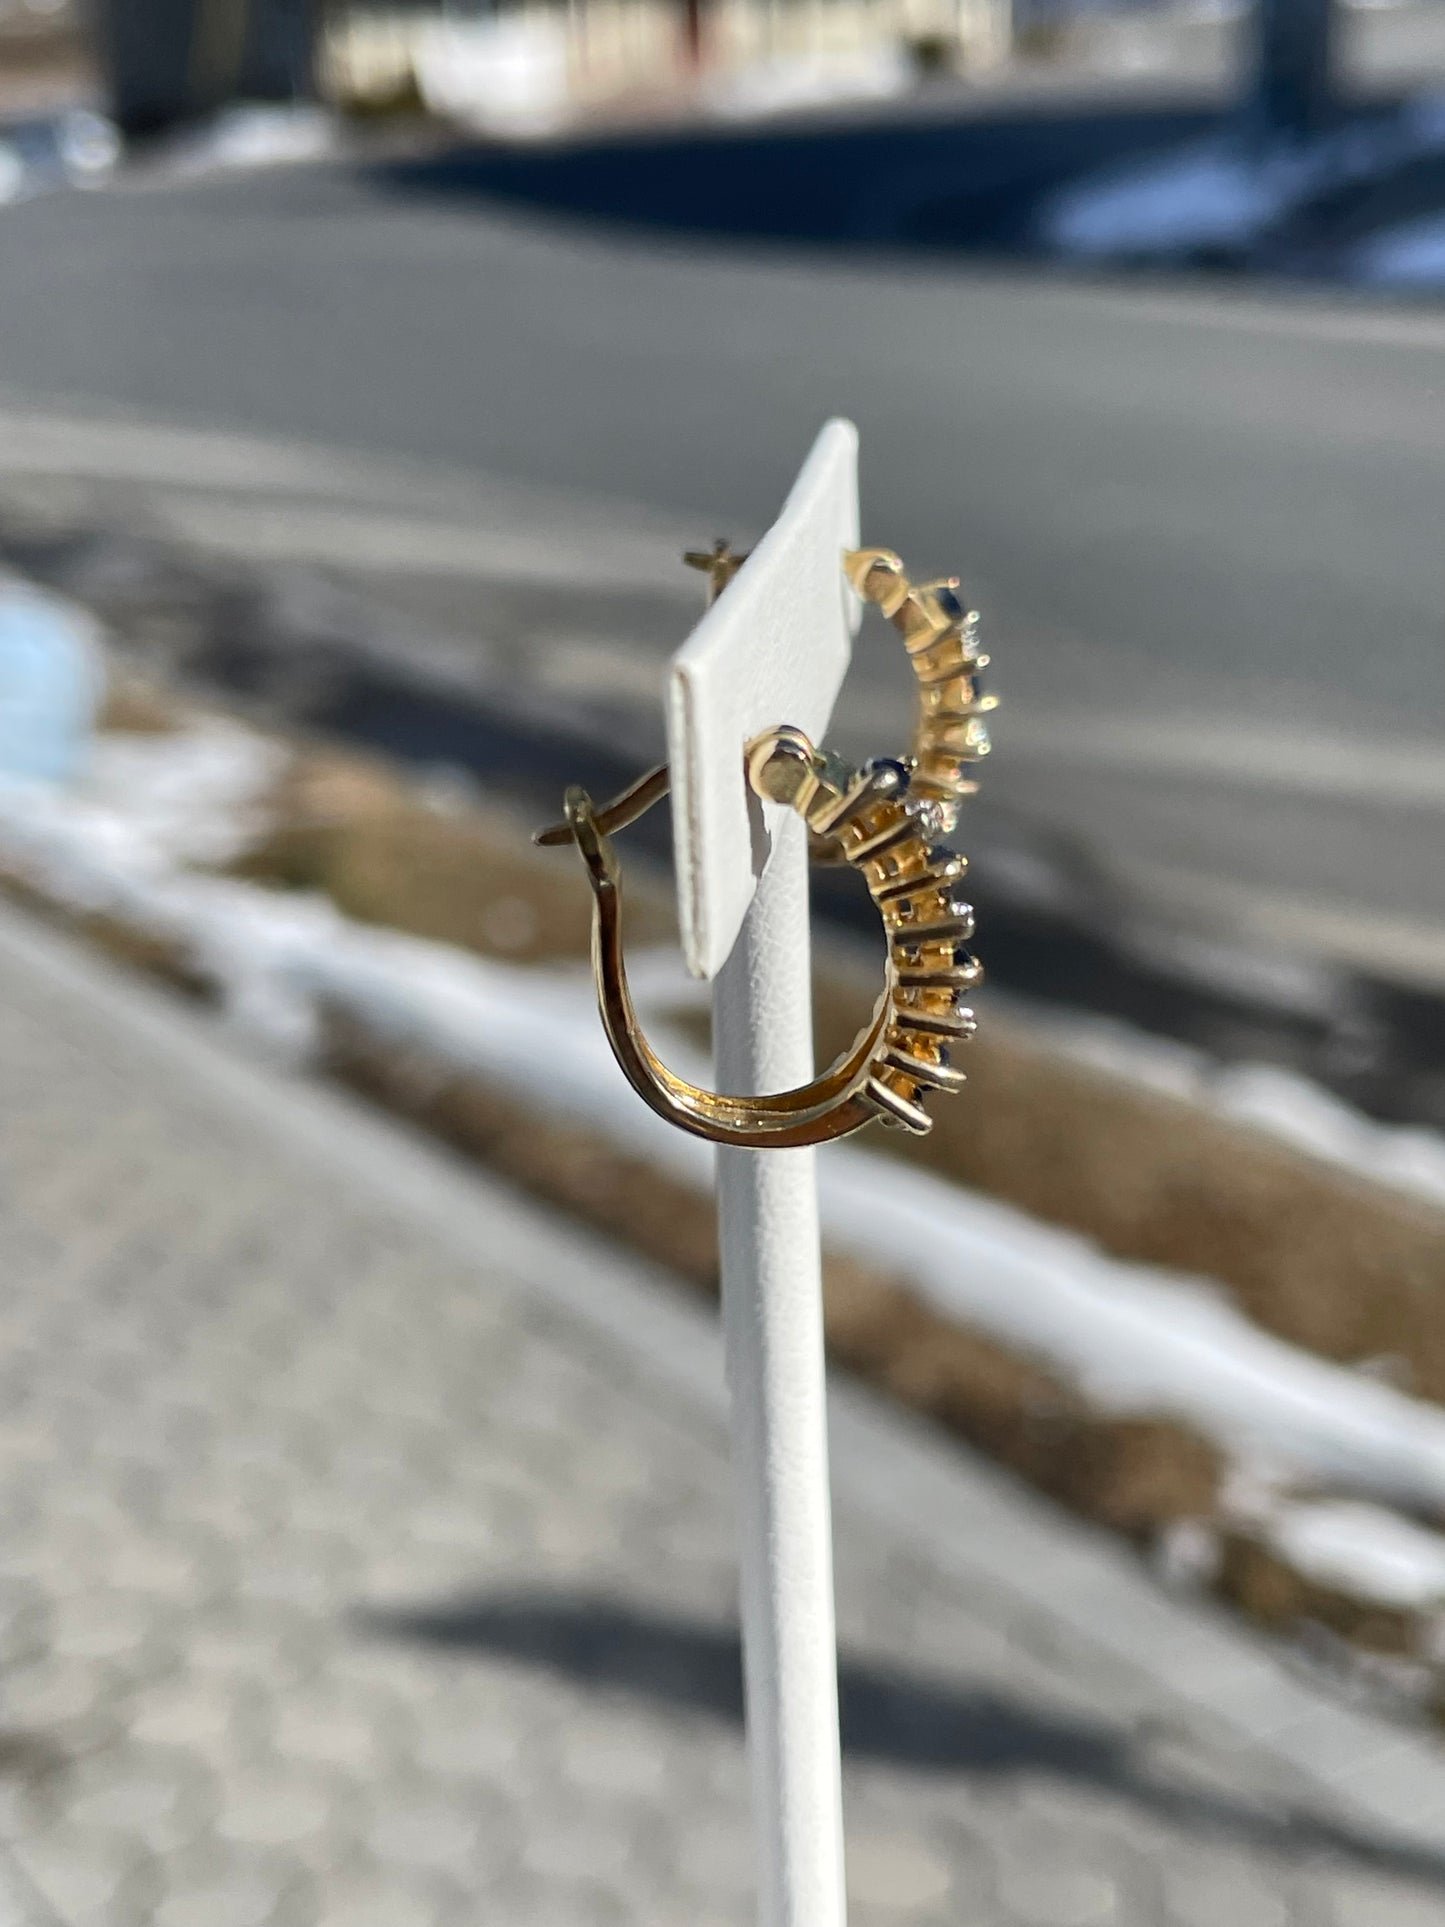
<point x="881" y="820"/>
<point x="950" y="737"/>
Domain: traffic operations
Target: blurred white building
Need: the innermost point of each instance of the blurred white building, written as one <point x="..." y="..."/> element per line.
<point x="532" y="62"/>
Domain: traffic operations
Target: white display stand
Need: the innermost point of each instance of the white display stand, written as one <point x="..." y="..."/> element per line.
<point x="772" y="649"/>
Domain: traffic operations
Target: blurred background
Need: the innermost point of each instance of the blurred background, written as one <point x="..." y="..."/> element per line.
<point x="365" y="371"/>
<point x="636" y="251"/>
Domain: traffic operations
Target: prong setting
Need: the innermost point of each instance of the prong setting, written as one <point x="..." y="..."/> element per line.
<point x="887" y="820"/>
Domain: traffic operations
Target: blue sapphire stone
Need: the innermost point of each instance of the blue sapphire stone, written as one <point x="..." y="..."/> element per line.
<point x="876" y="765"/>
<point x="836" y="771"/>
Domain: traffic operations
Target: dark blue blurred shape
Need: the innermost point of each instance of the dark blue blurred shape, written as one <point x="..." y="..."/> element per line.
<point x="164" y="62"/>
<point x="897" y="178"/>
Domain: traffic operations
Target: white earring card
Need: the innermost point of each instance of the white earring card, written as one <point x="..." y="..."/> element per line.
<point x="772" y="649"/>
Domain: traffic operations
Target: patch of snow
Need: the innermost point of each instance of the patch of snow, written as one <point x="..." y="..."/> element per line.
<point x="1280" y="1102"/>
<point x="1363" y="1551"/>
<point x="1293" y="1108"/>
<point x="194" y="797"/>
<point x="1409" y="256"/>
<point x="1209" y="198"/>
<point x="1220" y="195"/>
<point x="253" y="135"/>
<point x="1109" y="1044"/>
<point x="1134" y="1339"/>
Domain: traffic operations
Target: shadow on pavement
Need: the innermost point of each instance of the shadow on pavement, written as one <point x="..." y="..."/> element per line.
<point x="900" y="1717"/>
<point x="964" y="175"/>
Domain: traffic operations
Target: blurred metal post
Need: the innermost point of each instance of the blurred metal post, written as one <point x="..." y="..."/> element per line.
<point x="144" y="48"/>
<point x="1293" y="85"/>
<point x="278" y="56"/>
<point x="164" y="62"/>
<point x="692" y="34"/>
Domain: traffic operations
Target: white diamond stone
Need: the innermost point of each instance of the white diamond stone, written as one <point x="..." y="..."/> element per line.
<point x="934" y="818"/>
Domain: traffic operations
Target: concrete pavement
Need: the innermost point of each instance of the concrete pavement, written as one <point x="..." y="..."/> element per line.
<point x="367" y="1559"/>
<point x="1204" y="528"/>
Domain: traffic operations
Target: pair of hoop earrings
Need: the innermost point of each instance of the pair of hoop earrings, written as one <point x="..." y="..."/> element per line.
<point x="884" y="821"/>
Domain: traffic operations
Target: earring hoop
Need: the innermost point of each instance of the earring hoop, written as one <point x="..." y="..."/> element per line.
<point x="881" y="820"/>
<point x="950" y="736"/>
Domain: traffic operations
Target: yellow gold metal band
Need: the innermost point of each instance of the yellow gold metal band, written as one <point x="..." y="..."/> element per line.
<point x="882" y="821"/>
<point x="950" y="735"/>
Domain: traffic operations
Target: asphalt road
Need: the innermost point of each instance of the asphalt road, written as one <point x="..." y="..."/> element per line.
<point x="1205" y="528"/>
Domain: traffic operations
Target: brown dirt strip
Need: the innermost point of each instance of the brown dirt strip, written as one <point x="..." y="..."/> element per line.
<point x="1326" y="1260"/>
